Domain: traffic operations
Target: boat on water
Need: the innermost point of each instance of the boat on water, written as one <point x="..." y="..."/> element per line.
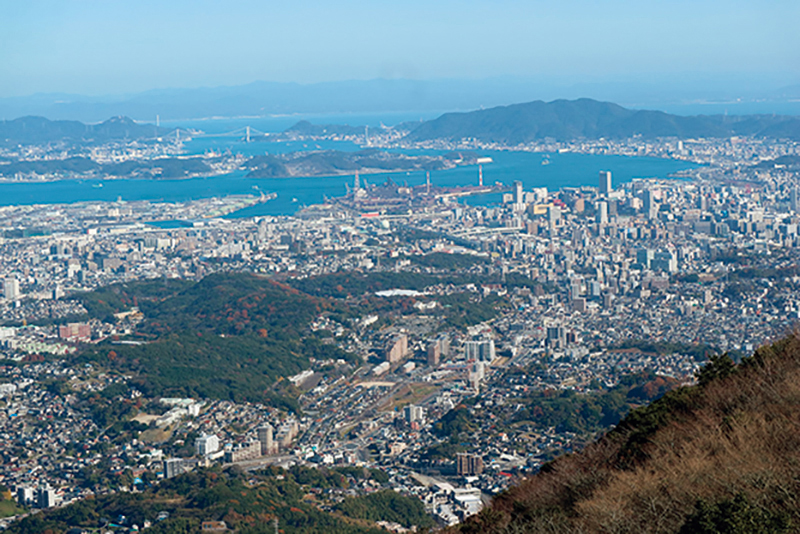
<point x="546" y="161"/>
<point x="97" y="186"/>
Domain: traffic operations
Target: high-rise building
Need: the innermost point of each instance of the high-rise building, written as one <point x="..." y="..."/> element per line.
<point x="664" y="261"/>
<point x="434" y="353"/>
<point x="645" y="257"/>
<point x="556" y="336"/>
<point x="172" y="467"/>
<point x="605" y="183"/>
<point x="265" y="438"/>
<point x="206" y="444"/>
<point x="25" y="495"/>
<point x="46" y="497"/>
<point x="469" y="464"/>
<point x="649" y="204"/>
<point x="553" y="216"/>
<point x="794" y="200"/>
<point x="414" y="414"/>
<point x="602" y="213"/>
<point x="397" y="349"/>
<point x="444" y="345"/>
<point x="11" y="288"/>
<point x="287" y="432"/>
<point x="480" y="351"/>
<point x="518" y="196"/>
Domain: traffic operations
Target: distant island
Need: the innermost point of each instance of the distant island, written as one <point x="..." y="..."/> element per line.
<point x="39" y="130"/>
<point x="567" y="120"/>
<point x="83" y="167"/>
<point x="337" y="163"/>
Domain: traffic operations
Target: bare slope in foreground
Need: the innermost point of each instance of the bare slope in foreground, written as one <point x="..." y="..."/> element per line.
<point x="719" y="457"/>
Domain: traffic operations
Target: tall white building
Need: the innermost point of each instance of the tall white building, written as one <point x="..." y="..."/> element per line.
<point x="172" y="467"/>
<point x="206" y="444"/>
<point x="481" y="351"/>
<point x="11" y="288"/>
<point x="605" y="183"/>
<point x="46" y="497"/>
<point x="414" y="414"/>
<point x="266" y="439"/>
<point x="519" y="198"/>
<point x="602" y="213"/>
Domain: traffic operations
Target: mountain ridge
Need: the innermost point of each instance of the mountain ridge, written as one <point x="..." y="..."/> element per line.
<point x="387" y="95"/>
<point x="34" y="129"/>
<point x="722" y="456"/>
<point x="566" y="120"/>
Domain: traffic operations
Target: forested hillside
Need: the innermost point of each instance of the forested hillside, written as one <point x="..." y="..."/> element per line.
<point x="229" y="336"/>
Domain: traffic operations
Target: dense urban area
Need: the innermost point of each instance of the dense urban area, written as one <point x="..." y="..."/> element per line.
<point x="394" y="350"/>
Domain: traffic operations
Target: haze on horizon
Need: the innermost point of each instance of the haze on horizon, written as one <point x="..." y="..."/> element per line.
<point x="95" y="47"/>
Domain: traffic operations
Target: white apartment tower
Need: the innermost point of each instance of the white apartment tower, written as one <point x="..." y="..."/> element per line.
<point x="206" y="444"/>
<point x="11" y="288"/>
<point x="266" y="439"/>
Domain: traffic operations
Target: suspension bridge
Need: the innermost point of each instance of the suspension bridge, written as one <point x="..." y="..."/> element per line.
<point x="245" y="133"/>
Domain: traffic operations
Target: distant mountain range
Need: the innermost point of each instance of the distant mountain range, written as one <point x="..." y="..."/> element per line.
<point x="409" y="97"/>
<point x="561" y="120"/>
<point x="565" y="120"/>
<point x="34" y="130"/>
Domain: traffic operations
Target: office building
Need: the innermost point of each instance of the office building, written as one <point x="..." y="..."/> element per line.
<point x="605" y="183"/>
<point x="664" y="261"/>
<point x="602" y="213"/>
<point x="645" y="257"/>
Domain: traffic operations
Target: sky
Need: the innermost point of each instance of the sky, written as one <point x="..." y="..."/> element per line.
<point x="97" y="47"/>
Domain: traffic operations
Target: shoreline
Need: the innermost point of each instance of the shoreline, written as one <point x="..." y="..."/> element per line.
<point x="365" y="171"/>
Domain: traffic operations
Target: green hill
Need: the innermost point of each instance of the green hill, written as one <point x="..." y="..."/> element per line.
<point x="33" y="130"/>
<point x="719" y="457"/>
<point x="229" y="336"/>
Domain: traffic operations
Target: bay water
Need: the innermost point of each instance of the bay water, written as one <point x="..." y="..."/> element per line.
<point x="559" y="170"/>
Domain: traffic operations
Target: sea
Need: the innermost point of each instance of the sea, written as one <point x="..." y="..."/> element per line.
<point x="553" y="171"/>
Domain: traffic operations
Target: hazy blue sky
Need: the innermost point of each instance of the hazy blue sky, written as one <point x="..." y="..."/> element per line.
<point x="108" y="46"/>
